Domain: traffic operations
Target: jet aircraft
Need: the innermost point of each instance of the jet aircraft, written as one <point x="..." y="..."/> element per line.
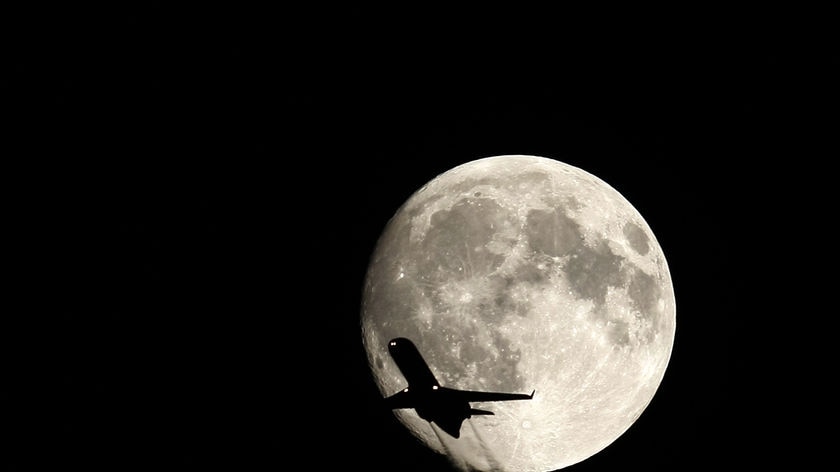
<point x="446" y="407"/>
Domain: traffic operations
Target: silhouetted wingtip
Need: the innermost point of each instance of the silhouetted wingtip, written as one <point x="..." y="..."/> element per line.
<point x="532" y="393"/>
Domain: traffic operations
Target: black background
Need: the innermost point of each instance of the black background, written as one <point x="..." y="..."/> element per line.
<point x="198" y="201"/>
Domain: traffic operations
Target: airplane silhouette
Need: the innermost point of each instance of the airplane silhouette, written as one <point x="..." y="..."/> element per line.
<point x="446" y="407"/>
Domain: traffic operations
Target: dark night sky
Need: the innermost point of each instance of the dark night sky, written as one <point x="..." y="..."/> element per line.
<point x="198" y="211"/>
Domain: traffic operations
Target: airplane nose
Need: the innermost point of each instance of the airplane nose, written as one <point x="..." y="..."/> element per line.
<point x="398" y="344"/>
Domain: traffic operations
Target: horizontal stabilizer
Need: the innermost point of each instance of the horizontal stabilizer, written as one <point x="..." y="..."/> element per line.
<point x="474" y="411"/>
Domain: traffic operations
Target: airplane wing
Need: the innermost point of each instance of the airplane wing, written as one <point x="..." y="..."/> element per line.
<point x="477" y="396"/>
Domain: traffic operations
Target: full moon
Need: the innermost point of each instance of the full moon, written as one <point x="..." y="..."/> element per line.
<point x="517" y="273"/>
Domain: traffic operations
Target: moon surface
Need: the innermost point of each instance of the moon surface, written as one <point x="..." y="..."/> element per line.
<point x="514" y="273"/>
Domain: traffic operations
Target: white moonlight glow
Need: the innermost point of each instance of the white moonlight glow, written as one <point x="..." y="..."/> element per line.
<point x="515" y="273"/>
